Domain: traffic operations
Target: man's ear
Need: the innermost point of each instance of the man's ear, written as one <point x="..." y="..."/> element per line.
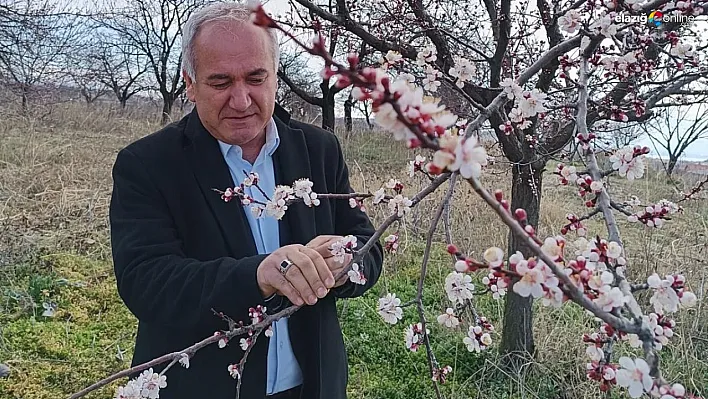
<point x="190" y="86"/>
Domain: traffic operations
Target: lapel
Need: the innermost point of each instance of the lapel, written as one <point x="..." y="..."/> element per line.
<point x="291" y="161"/>
<point x="209" y="167"/>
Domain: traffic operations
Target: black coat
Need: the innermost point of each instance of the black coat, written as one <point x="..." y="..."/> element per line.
<point x="180" y="251"/>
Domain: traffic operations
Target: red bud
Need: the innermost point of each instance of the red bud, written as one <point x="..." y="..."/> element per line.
<point x="353" y="60"/>
<point x="520" y="215"/>
<point x="499" y="195"/>
<point x="452" y="249"/>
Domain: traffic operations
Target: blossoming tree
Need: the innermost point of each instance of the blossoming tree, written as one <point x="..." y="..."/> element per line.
<point x="480" y="47"/>
<point x="530" y="114"/>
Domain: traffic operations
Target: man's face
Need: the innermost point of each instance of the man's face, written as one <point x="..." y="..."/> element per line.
<point x="235" y="83"/>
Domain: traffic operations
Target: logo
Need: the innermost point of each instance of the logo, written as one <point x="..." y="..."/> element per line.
<point x="656" y="17"/>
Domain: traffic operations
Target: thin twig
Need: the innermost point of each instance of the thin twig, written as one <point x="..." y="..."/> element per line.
<point x="421" y="282"/>
<point x="242" y="363"/>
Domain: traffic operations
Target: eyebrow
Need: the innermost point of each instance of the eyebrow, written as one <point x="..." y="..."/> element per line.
<point x="223" y="76"/>
<point x="259" y="71"/>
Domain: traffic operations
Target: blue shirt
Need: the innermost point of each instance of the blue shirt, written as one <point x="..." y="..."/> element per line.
<point x="283" y="369"/>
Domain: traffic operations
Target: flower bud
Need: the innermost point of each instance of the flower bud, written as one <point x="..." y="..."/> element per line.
<point x="461" y="266"/>
<point x="499" y="195"/>
<point x="452" y="249"/>
<point x="520" y="214"/>
<point x="353" y="60"/>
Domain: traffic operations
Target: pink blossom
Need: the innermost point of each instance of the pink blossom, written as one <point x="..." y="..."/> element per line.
<point x="570" y="21"/>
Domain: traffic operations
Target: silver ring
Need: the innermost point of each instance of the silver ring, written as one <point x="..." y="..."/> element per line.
<point x="285" y="265"/>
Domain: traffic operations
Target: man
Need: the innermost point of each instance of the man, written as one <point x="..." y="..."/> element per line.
<point x="180" y="250"/>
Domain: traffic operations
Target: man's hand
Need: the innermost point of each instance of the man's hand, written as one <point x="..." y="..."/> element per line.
<point x="321" y="244"/>
<point x="307" y="279"/>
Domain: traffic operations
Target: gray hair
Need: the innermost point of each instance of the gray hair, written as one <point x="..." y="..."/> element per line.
<point x="218" y="12"/>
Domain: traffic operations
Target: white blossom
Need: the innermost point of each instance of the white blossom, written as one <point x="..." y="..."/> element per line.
<point x="339" y="248"/>
<point x="378" y="196"/>
<point x="463" y="70"/>
<point x="570" y="21"/>
<point x="634" y="375"/>
<point x="356" y="276"/>
<point x="469" y="158"/>
<point x="459" y="287"/>
<point x="610" y="298"/>
<point x="624" y="161"/>
<point x="605" y="26"/>
<point x="448" y="319"/>
<point x="494" y="256"/>
<point x="390" y="308"/>
<point x="184" y="360"/>
<point x="594" y="353"/>
<point x="682" y="50"/>
<point x="393" y="57"/>
<point x="531" y="280"/>
<point x="399" y="205"/>
<point x="665" y="300"/>
<point x="511" y="88"/>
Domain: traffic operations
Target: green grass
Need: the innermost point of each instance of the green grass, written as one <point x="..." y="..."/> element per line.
<point x="52" y="357"/>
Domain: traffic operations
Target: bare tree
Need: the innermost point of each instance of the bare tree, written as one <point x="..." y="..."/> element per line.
<point x="676" y="129"/>
<point x="302" y="77"/>
<point x="153" y="29"/>
<point x="339" y="44"/>
<point x="121" y="68"/>
<point x="36" y="40"/>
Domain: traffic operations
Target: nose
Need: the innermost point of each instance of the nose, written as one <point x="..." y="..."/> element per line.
<point x="240" y="99"/>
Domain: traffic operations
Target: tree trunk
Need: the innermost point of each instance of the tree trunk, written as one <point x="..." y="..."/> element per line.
<point x="348" y="104"/>
<point x="328" y="114"/>
<point x="672" y="164"/>
<point x="167" y="103"/>
<point x="24" y="100"/>
<point x="517" y="344"/>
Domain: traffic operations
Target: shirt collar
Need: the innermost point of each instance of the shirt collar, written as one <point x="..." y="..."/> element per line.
<point x="271" y="144"/>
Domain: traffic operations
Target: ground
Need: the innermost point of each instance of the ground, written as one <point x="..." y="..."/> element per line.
<point x="55" y="188"/>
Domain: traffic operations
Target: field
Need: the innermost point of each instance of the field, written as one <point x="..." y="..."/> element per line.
<point x="55" y="187"/>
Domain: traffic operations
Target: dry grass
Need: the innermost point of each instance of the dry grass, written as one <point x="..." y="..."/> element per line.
<point x="55" y="188"/>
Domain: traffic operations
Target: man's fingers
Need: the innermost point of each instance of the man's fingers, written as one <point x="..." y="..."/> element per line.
<point x="342" y="279"/>
<point x="320" y="275"/>
<point x="319" y="240"/>
<point x="322" y="240"/>
<point x="286" y="289"/>
<point x="299" y="282"/>
<point x="322" y="243"/>
<point x="324" y="250"/>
